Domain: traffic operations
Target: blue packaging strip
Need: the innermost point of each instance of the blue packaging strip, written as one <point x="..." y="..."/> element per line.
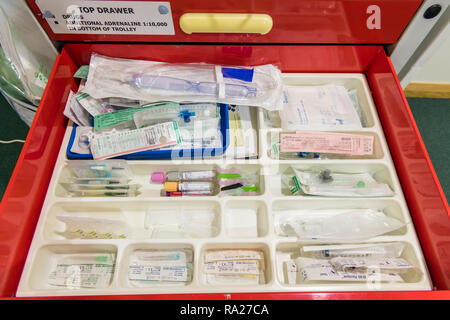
<point x="167" y="154"/>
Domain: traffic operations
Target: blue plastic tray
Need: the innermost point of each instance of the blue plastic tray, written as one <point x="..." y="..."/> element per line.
<point x="167" y="154"/>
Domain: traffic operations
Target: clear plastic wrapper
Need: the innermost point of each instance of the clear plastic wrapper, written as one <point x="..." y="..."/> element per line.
<point x="386" y="250"/>
<point x="184" y="114"/>
<point x="106" y="188"/>
<point x="93" y="228"/>
<point x="181" y="224"/>
<point x="100" y="169"/>
<point x="158" y="81"/>
<point x="95" y="181"/>
<point x="104" y="193"/>
<point x="338" y="184"/>
<point x="335" y="225"/>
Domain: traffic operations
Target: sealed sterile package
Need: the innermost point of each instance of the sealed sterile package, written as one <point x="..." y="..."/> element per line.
<point x="82" y="140"/>
<point x="124" y="119"/>
<point x="153" y="81"/>
<point x="76" y="271"/>
<point x="334" y="224"/>
<point x="75" y="112"/>
<point x="386" y="250"/>
<point x="117" y="143"/>
<point x="323" y="270"/>
<point x="385" y="265"/>
<point x="105" y="193"/>
<point x="183" y="113"/>
<point x="95" y="181"/>
<point x="339" y="184"/>
<point x="80" y="187"/>
<point x="170" y="267"/>
<point x="100" y="169"/>
<point x="327" y="107"/>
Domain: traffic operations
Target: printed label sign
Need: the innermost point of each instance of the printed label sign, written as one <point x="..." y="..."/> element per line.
<point x="108" y="17"/>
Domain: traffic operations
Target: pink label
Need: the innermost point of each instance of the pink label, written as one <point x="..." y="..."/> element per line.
<point x="326" y="142"/>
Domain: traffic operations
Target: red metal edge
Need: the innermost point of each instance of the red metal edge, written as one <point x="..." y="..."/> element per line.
<point x="26" y="190"/>
<point x="351" y="295"/>
<point x="427" y="204"/>
<point x="420" y="140"/>
<point x="294" y="21"/>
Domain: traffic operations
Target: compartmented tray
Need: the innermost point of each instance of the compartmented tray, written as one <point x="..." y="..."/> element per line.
<point x="48" y="244"/>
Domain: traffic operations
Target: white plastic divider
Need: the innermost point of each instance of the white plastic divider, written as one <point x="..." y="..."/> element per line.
<point x="48" y="244"/>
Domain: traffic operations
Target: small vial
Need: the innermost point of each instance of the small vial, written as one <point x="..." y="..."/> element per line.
<point x="161" y="177"/>
<point x="171" y="186"/>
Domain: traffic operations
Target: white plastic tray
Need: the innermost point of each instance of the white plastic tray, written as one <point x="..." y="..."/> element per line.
<point x="47" y="244"/>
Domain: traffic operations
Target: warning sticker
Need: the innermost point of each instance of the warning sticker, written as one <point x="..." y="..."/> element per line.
<point x="108" y="17"/>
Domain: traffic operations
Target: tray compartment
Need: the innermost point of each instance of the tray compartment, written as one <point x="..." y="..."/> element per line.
<point x="411" y="277"/>
<point x="161" y="246"/>
<point x="47" y="256"/>
<point x="181" y="219"/>
<point x="379" y="171"/>
<point x="242" y="214"/>
<point x="261" y="246"/>
<point x="349" y="81"/>
<point x="391" y="208"/>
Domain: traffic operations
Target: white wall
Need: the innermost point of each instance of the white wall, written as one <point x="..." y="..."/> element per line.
<point x="437" y="67"/>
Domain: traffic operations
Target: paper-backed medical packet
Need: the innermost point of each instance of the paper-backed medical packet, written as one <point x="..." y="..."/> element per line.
<point x="117" y="143"/>
<point x="234" y="266"/>
<point x="75" y="112"/>
<point x="148" y="267"/>
<point x="326" y="107"/>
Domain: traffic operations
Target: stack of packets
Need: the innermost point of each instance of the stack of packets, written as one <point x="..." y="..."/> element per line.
<point x="347" y="263"/>
<point x="100" y="178"/>
<point x="150" y="267"/>
<point x="312" y="112"/>
<point x="114" y="127"/>
<point x="88" y="270"/>
<point x="234" y="267"/>
<point x="125" y="106"/>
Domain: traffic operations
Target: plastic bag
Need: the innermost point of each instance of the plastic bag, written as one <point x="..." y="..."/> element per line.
<point x="22" y="75"/>
<point x="346" y="225"/>
<point x="180" y="82"/>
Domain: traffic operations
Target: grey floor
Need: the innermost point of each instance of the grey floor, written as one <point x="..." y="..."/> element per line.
<point x="432" y="117"/>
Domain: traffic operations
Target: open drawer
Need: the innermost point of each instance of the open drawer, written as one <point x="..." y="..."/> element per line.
<point x="27" y="199"/>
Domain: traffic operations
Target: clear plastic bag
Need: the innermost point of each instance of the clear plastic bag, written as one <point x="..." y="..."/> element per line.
<point x="326" y="225"/>
<point x="22" y="75"/>
<point x="159" y="81"/>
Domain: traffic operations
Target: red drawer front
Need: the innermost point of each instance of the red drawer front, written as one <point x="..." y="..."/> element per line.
<point x="20" y="208"/>
<point x="294" y="21"/>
